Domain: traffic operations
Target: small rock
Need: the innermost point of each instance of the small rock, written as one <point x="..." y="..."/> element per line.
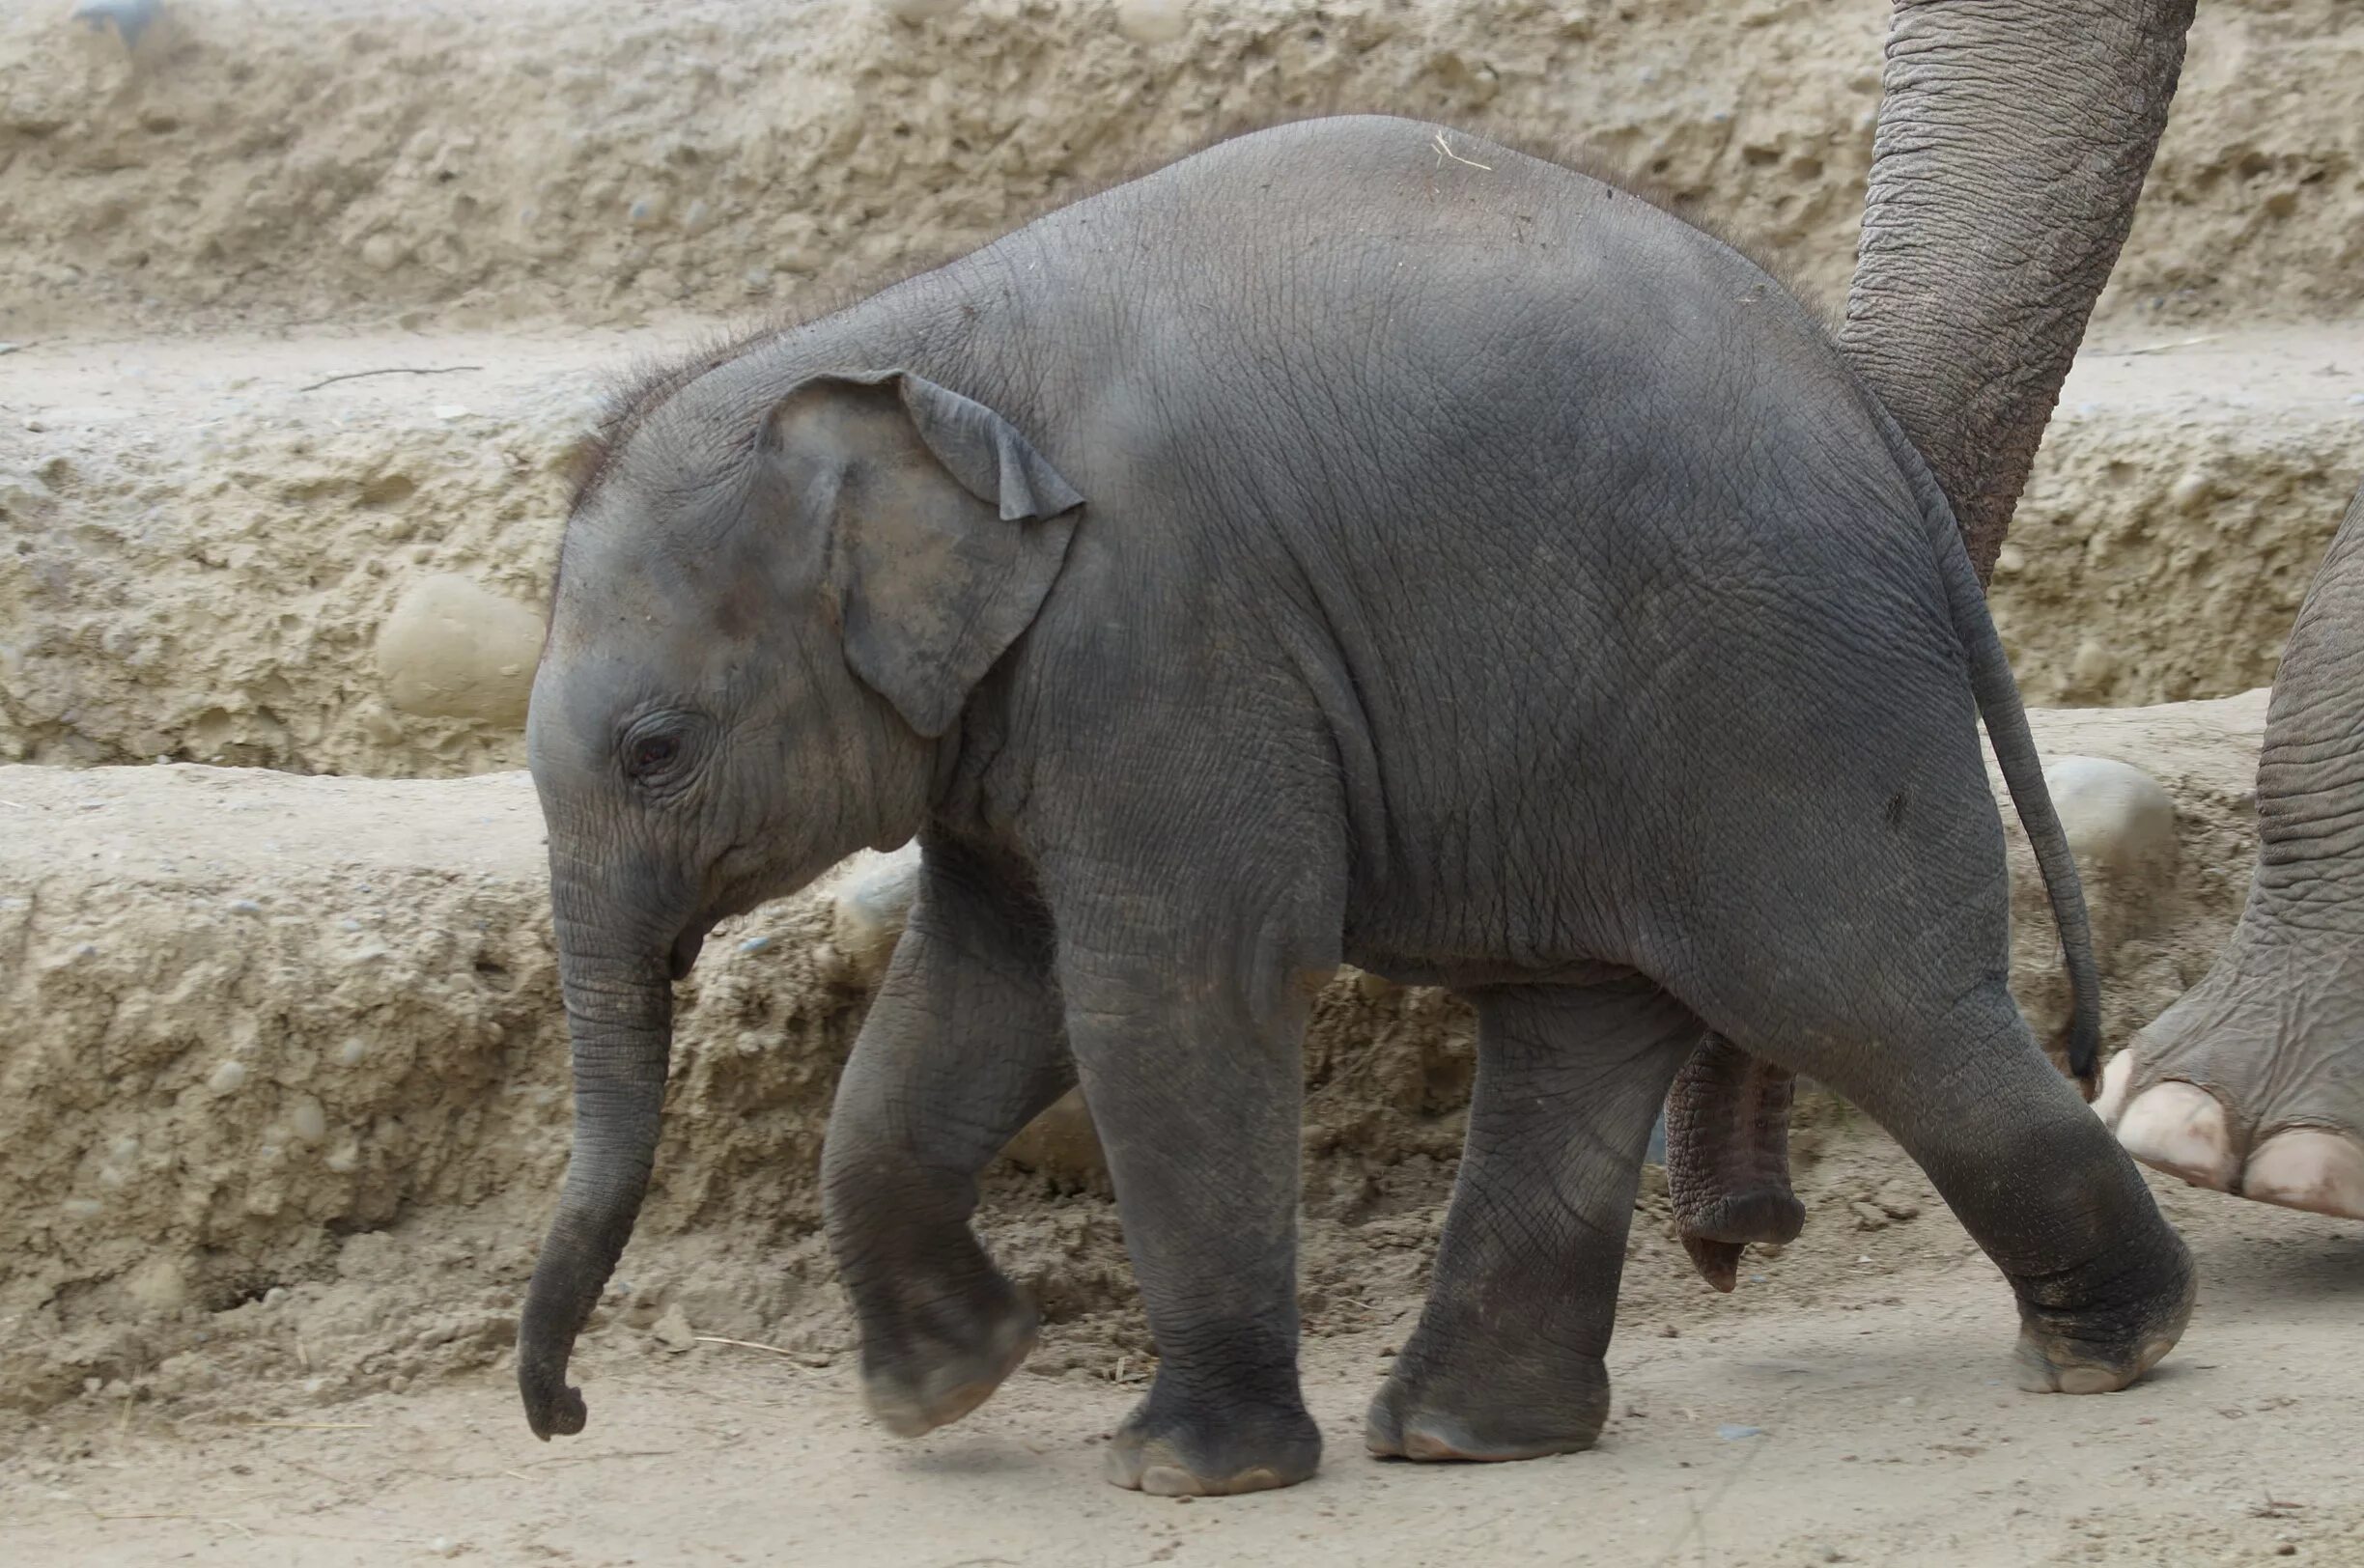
<point x="451" y="411"/>
<point x="275" y="1296"/>
<point x="244" y="906"/>
<point x="442" y="651"/>
<point x="912" y="13"/>
<point x="227" y="1079"/>
<point x="755" y="944"/>
<point x="8" y="348"/>
<point x="1896" y="1202"/>
<point x="2190" y="494"/>
<point x="306" y="1119"/>
<point x="867" y="912"/>
<point x="673" y="1330"/>
<point x="1151" y="21"/>
<point x="381" y="252"/>
<point x="1867" y="1216"/>
<point x="1732" y="1432"/>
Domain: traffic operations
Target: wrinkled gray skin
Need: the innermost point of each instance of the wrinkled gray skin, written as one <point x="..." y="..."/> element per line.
<point x="1373" y="446"/>
<point x="2014" y="138"/>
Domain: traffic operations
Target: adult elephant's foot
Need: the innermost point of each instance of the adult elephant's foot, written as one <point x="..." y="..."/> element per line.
<point x="2253" y="1083"/>
<point x="1523" y="1410"/>
<point x="1727" y="1158"/>
<point x="1175" y="1446"/>
<point x="931" y="1365"/>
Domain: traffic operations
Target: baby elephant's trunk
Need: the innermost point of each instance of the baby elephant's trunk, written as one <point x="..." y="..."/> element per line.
<point x="620" y="1016"/>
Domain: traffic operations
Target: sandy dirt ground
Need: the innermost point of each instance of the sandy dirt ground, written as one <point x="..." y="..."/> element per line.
<point x="1849" y="1404"/>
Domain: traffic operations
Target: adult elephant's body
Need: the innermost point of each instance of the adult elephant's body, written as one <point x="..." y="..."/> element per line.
<point x="1479" y="577"/>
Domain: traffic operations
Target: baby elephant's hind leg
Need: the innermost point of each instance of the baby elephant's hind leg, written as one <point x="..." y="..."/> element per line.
<point x="1506" y="1361"/>
<point x="2104" y="1283"/>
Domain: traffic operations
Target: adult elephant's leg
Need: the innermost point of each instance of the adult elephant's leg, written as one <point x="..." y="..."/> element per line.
<point x="1728" y="1156"/>
<point x="1186" y="1007"/>
<point x="1506" y="1360"/>
<point x="2253" y="1080"/>
<point x="963" y="1045"/>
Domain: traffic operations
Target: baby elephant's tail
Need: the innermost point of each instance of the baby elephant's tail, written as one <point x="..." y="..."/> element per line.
<point x="2015" y="748"/>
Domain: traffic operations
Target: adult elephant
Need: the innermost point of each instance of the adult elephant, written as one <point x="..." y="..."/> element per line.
<point x="2014" y="139"/>
<point x="2254" y="1081"/>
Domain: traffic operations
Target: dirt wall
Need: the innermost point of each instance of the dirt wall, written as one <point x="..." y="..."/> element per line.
<point x="597" y="160"/>
<point x="214" y="548"/>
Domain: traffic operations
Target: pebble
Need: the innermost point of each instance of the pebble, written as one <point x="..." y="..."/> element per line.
<point x="755" y="944"/>
<point x="1151" y="21"/>
<point x="244" y="906"/>
<point x="451" y="411"/>
<point x="672" y="1330"/>
<point x="307" y="1120"/>
<point x="274" y="1296"/>
<point x="1869" y="1217"/>
<point x="1732" y="1432"/>
<point x="10" y="347"/>
<point x="227" y="1079"/>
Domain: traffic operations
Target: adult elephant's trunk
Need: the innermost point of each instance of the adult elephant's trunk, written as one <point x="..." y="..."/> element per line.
<point x="2014" y="139"/>
<point x="619" y="1001"/>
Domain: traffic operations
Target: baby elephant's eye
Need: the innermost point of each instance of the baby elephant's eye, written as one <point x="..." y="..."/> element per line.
<point x="651" y="754"/>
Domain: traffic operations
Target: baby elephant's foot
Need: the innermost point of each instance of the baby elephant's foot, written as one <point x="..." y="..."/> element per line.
<point x="2099" y="1351"/>
<point x="1525" y="1413"/>
<point x="937" y="1365"/>
<point x="1170" y="1447"/>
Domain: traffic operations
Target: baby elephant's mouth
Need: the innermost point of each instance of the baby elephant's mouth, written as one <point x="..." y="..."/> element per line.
<point x="685" y="950"/>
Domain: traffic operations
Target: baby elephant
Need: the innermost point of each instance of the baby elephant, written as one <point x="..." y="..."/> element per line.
<point x="1322" y="550"/>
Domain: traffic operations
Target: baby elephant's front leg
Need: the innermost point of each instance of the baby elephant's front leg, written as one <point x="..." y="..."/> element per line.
<point x="962" y="1048"/>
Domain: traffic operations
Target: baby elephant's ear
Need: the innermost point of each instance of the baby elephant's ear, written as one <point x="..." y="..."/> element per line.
<point x="947" y="530"/>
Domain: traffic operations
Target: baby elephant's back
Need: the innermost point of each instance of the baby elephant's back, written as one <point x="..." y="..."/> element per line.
<point x="1463" y="346"/>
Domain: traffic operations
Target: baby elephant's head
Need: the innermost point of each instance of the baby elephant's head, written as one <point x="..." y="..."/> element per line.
<point x="770" y="608"/>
